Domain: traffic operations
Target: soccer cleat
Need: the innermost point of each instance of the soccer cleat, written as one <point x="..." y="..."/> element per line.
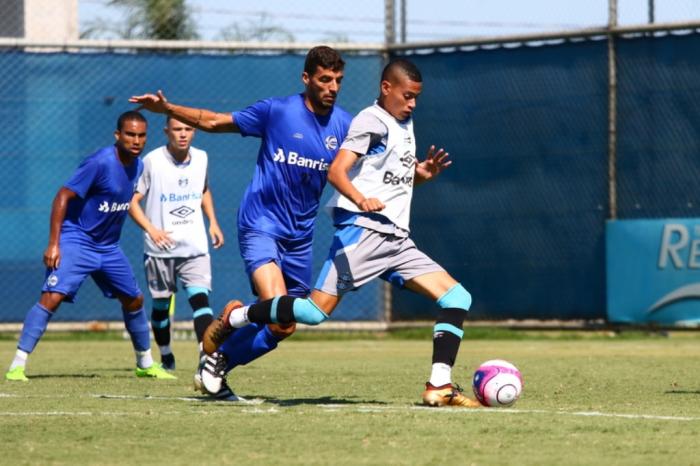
<point x="220" y="329"/>
<point x="16" y="375"/>
<point x="156" y="371"/>
<point x="211" y="379"/>
<point x="447" y="395"/>
<point x="213" y="373"/>
<point x="168" y="361"/>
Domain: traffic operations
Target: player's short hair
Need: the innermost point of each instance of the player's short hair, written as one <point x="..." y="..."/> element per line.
<point x="403" y="66"/>
<point x="131" y="115"/>
<point x="325" y="57"/>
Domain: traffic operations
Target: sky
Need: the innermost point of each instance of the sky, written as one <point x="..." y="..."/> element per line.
<point x="426" y="20"/>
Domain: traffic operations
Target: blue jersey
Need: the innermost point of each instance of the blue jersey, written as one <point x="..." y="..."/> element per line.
<point x="104" y="187"/>
<point x="292" y="168"/>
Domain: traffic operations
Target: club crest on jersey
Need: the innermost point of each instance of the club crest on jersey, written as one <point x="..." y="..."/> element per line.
<point x="331" y="143"/>
<point x="293" y="158"/>
<point x="182" y="182"/>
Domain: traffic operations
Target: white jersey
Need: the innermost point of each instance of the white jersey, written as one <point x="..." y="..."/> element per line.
<point x="388" y="174"/>
<point x="173" y="195"/>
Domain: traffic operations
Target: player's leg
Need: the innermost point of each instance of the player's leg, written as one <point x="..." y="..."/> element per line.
<point x="195" y="274"/>
<point x="454" y="301"/>
<point x="116" y="279"/>
<point x="160" y="276"/>
<point x="59" y="285"/>
<point x="35" y="324"/>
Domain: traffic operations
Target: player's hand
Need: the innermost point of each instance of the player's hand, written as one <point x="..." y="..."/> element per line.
<point x="216" y="235"/>
<point x="435" y="162"/>
<point x="371" y="205"/>
<point x="52" y="256"/>
<point x="162" y="239"/>
<point x="156" y="103"/>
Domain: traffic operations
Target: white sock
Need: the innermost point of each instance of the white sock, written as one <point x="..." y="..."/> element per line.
<point x="165" y="350"/>
<point x="20" y="359"/>
<point x="441" y="374"/>
<point x="144" y="359"/>
<point x="239" y="317"/>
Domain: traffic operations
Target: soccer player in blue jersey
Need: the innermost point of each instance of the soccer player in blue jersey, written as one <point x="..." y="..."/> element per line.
<point x="374" y="175"/>
<point x="300" y="137"/>
<point x="87" y="216"/>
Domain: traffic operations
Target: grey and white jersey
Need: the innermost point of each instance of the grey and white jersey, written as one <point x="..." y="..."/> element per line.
<point x="386" y="168"/>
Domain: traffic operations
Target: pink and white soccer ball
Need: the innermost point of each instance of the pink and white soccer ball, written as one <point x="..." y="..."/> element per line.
<point x="497" y="383"/>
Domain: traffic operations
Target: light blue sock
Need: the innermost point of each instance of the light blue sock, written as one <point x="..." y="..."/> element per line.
<point x="136" y="324"/>
<point x="35" y="324"/>
<point x="247" y="344"/>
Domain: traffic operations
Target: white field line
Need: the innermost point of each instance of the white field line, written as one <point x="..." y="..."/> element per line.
<point x="252" y="406"/>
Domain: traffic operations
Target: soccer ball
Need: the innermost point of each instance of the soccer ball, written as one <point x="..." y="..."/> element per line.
<point x="497" y="383"/>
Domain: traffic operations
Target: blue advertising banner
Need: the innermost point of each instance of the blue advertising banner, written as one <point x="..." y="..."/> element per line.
<point x="653" y="271"/>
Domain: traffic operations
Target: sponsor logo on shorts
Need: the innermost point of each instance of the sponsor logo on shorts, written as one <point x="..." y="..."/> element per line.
<point x="344" y="281"/>
<point x="52" y="280"/>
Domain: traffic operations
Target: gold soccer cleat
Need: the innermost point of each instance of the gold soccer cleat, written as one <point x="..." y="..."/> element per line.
<point x="447" y="395"/>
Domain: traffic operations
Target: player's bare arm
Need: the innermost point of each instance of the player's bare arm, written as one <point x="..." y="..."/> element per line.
<point x="215" y="233"/>
<point x="160" y="238"/>
<point x="200" y="118"/>
<point x="338" y="178"/>
<point x="435" y="162"/>
<point x="52" y="254"/>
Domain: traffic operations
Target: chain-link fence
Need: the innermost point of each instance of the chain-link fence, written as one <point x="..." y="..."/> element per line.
<point x="519" y="219"/>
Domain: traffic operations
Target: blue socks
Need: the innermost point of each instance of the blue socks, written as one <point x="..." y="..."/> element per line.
<point x="35" y="324"/>
<point x="247" y="344"/>
<point x="137" y="325"/>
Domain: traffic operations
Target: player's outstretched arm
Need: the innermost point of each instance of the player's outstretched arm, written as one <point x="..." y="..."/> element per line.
<point x="200" y="118"/>
<point x="161" y="238"/>
<point x="215" y="233"/>
<point x="435" y="162"/>
<point x="338" y="178"/>
<point x="52" y="254"/>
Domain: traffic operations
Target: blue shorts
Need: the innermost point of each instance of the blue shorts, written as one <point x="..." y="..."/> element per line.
<point x="108" y="267"/>
<point x="293" y="257"/>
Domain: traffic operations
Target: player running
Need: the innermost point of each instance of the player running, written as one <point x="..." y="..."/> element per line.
<point x="87" y="216"/>
<point x="374" y="174"/>
<point x="300" y="136"/>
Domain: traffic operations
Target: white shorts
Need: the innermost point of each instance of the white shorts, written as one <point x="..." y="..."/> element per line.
<point x="359" y="254"/>
<point x="162" y="273"/>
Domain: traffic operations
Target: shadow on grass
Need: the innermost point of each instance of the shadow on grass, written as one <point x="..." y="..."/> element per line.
<point x="682" y="392"/>
<point x="324" y="400"/>
<point x="64" y="376"/>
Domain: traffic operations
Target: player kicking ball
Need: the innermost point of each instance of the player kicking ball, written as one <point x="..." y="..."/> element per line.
<point x="87" y="216"/>
<point x="374" y="174"/>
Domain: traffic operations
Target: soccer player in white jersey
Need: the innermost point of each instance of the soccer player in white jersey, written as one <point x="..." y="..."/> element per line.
<point x="374" y="173"/>
<point x="174" y="187"/>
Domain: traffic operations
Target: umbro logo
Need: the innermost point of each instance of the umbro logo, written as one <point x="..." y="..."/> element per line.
<point x="182" y="211"/>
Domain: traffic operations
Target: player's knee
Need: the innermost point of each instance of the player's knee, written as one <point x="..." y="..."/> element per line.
<point x="282" y="331"/>
<point x="51" y="301"/>
<point x="455" y="298"/>
<point x="307" y="312"/>
<point x="132" y="304"/>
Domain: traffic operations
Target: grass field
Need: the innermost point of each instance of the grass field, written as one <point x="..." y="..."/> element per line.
<point x="355" y="401"/>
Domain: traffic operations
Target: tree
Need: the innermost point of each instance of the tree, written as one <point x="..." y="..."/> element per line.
<point x="256" y="31"/>
<point x="146" y="19"/>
